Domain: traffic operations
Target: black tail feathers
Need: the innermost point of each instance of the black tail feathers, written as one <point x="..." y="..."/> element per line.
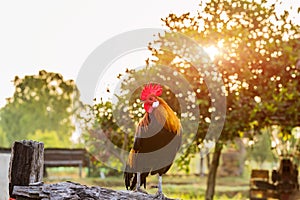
<point x="128" y="179"/>
<point x="131" y="180"/>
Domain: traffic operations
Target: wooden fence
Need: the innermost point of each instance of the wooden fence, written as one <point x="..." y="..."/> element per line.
<point x="58" y="157"/>
<point x="63" y="157"/>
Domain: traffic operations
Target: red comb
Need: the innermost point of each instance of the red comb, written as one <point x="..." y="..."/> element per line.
<point x="154" y="89"/>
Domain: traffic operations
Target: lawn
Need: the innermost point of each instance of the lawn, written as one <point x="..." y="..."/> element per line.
<point x="174" y="186"/>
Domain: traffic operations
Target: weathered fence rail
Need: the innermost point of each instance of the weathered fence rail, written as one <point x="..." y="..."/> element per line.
<point x="62" y="157"/>
<point x="5" y="150"/>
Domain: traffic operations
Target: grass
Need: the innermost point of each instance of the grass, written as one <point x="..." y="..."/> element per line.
<point x="174" y="186"/>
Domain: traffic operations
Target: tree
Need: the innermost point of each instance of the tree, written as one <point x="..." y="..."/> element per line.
<point x="51" y="139"/>
<point x="3" y="139"/>
<point x="256" y="46"/>
<point x="279" y="105"/>
<point x="102" y="135"/>
<point x="260" y="151"/>
<point x="44" y="102"/>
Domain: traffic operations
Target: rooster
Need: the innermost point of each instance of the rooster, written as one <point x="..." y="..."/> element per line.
<point x="157" y="140"/>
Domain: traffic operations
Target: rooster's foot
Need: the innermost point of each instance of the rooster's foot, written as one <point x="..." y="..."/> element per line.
<point x="140" y="190"/>
<point x="159" y="195"/>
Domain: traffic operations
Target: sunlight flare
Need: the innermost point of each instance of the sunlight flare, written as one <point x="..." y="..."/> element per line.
<point x="212" y="51"/>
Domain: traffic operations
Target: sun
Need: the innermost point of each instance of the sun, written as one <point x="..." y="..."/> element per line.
<point x="212" y="51"/>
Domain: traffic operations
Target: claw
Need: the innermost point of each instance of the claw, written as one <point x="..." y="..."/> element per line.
<point x="159" y="195"/>
<point x="140" y="190"/>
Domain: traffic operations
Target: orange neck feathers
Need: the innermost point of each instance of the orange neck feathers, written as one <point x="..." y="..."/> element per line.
<point x="165" y="116"/>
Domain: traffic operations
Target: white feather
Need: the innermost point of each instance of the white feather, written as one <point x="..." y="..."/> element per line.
<point x="155" y="104"/>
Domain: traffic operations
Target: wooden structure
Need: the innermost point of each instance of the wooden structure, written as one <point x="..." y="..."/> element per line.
<point x="62" y="157"/>
<point x="258" y="184"/>
<point x="286" y="178"/>
<point x="70" y="190"/>
<point x="26" y="164"/>
<point x="5" y="150"/>
<point x="283" y="184"/>
<point x="26" y="169"/>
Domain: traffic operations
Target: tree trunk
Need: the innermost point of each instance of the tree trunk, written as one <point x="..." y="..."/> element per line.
<point x="201" y="166"/>
<point x="26" y="164"/>
<point x="208" y="160"/>
<point x="211" y="179"/>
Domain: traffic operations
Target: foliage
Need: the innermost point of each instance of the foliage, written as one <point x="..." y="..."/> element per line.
<point x="3" y="139"/>
<point x="257" y="51"/>
<point x="260" y="151"/>
<point x="50" y="139"/>
<point x="279" y="105"/>
<point x="103" y="138"/>
<point x="254" y="70"/>
<point x="256" y="46"/>
<point x="44" y="102"/>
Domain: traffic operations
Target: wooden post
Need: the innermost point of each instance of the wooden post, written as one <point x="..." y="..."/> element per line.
<point x="80" y="170"/>
<point x="26" y="164"/>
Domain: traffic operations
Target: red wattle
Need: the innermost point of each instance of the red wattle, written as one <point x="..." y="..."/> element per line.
<point x="148" y="108"/>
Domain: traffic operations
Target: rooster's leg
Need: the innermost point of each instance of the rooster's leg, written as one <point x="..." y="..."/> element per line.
<point x="138" y="183"/>
<point x="159" y="194"/>
<point x="159" y="184"/>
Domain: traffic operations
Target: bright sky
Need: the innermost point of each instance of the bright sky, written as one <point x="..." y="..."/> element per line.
<point x="59" y="35"/>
